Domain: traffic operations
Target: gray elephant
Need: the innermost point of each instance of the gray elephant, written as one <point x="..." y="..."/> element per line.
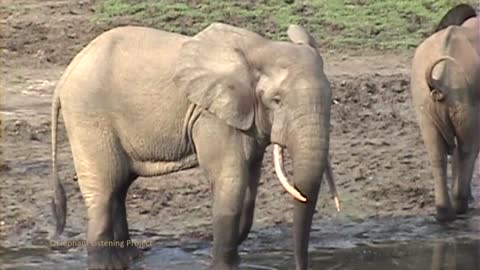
<point x="445" y="85"/>
<point x="143" y="102"/>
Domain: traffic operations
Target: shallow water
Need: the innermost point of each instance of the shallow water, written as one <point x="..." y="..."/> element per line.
<point x="458" y="254"/>
<point x="434" y="255"/>
<point x="374" y="244"/>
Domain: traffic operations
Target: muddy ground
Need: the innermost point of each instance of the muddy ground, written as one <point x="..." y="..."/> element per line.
<point x="378" y="156"/>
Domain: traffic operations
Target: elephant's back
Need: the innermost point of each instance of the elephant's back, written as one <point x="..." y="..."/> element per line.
<point x="140" y="37"/>
<point x="118" y="62"/>
<point x="123" y="79"/>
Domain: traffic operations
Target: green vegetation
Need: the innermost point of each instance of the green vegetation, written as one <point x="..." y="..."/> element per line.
<point x="349" y="24"/>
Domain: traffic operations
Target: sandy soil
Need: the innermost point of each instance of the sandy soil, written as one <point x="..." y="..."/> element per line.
<point x="378" y="157"/>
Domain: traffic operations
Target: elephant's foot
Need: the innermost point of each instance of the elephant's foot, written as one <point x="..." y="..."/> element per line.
<point x="445" y="214"/>
<point x="108" y="258"/>
<point x="460" y="206"/>
<point x="130" y="252"/>
<point x="471" y="199"/>
<point x="224" y="266"/>
<point x="226" y="262"/>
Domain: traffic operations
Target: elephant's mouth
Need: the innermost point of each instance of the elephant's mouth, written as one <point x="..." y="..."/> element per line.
<point x="282" y="176"/>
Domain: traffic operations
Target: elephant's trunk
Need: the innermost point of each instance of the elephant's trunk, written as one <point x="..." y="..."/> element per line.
<point x="308" y="144"/>
<point x="308" y="172"/>
<point x="282" y="177"/>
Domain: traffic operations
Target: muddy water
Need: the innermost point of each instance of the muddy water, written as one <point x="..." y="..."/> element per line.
<point x="340" y="243"/>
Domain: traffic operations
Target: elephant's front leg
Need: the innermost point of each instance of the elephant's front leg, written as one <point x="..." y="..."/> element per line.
<point x="246" y="220"/>
<point x="220" y="152"/>
<point x="227" y="210"/>
<point x="437" y="152"/>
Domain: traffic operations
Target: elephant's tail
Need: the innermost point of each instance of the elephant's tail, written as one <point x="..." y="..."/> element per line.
<point x="435" y="110"/>
<point x="59" y="200"/>
<point x="436" y="88"/>
<point x="432" y="83"/>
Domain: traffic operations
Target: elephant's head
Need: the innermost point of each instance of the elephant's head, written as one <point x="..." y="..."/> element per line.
<point x="276" y="90"/>
<point x="456" y="16"/>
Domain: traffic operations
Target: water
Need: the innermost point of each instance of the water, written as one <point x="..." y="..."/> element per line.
<point x="458" y="254"/>
<point x="374" y="244"/>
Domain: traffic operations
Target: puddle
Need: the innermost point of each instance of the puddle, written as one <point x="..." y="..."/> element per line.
<point x="373" y="244"/>
<point x="454" y="254"/>
<point x="457" y="254"/>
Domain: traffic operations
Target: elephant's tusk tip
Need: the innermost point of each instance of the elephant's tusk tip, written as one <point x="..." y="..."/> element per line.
<point x="301" y="198"/>
<point x="297" y="195"/>
<point x="337" y="203"/>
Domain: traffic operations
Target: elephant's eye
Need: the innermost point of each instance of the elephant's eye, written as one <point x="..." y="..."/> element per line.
<point x="276" y="100"/>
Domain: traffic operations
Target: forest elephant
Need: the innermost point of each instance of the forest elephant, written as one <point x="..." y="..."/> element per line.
<point x="445" y="85"/>
<point x="143" y="102"/>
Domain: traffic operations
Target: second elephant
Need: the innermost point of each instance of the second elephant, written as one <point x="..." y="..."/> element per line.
<point x="445" y="86"/>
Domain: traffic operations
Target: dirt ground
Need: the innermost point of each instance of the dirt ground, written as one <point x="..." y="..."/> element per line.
<point x="379" y="159"/>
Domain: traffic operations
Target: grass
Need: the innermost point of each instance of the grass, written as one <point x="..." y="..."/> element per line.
<point x="337" y="25"/>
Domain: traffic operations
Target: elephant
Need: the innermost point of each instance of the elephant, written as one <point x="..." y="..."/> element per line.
<point x="456" y="16"/>
<point x="445" y="88"/>
<point x="138" y="101"/>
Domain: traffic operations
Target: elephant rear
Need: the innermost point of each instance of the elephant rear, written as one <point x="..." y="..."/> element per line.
<point x="446" y="93"/>
<point x="89" y="94"/>
<point x="123" y="79"/>
<point x="116" y="61"/>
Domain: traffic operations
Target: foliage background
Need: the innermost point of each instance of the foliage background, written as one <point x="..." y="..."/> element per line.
<point x="338" y="25"/>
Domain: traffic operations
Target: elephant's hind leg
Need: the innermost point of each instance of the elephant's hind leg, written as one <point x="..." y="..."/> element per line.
<point x="437" y="153"/>
<point x="103" y="176"/>
<point x="462" y="182"/>
<point x="120" y="226"/>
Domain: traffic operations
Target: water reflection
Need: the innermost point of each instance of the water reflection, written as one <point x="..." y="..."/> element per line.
<point x="456" y="256"/>
<point x="460" y="254"/>
<point x="429" y="254"/>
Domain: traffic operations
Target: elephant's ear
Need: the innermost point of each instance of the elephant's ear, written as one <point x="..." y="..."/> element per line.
<point x="213" y="73"/>
<point x="299" y="35"/>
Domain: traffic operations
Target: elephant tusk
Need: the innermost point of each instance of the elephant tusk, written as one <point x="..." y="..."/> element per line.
<point x="337" y="203"/>
<point x="331" y="184"/>
<point x="278" y="163"/>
